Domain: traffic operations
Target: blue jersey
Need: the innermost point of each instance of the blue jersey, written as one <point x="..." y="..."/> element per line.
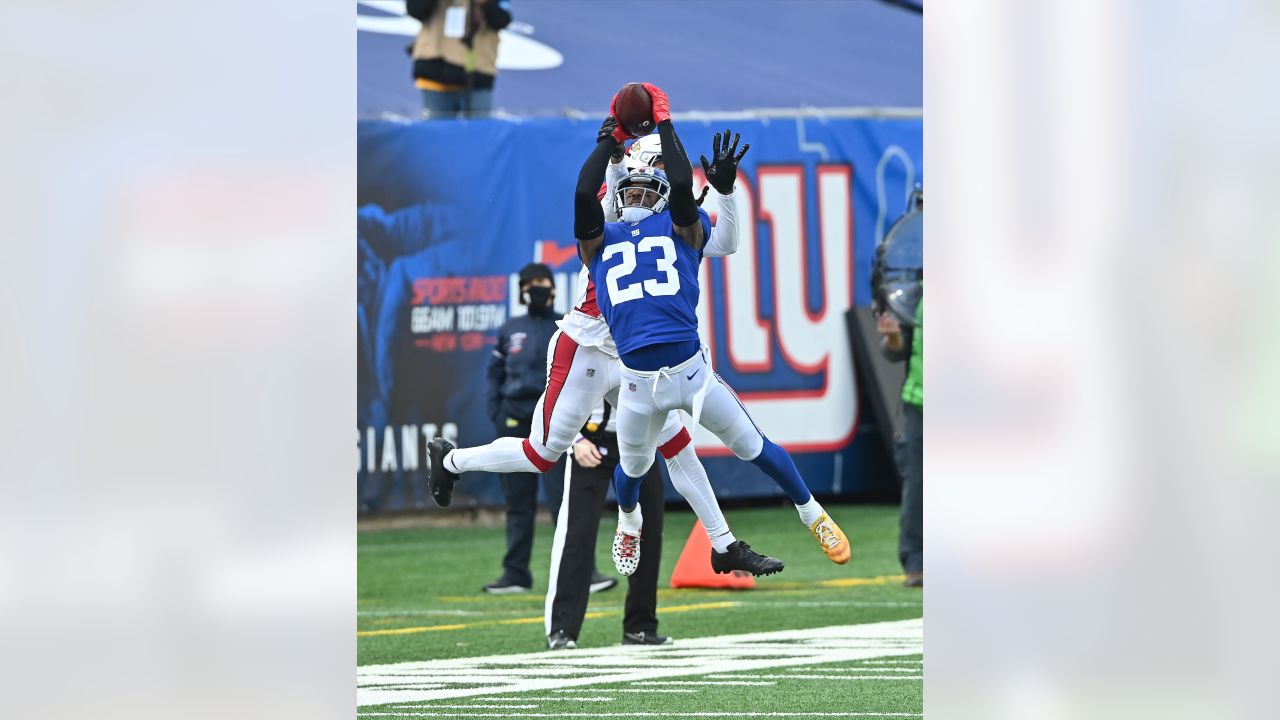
<point x="646" y="281"/>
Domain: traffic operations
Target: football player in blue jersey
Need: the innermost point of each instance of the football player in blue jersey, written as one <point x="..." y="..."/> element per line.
<point x="645" y="270"/>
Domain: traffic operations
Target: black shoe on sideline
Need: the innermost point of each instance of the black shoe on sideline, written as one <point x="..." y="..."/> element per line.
<point x="503" y="586"/>
<point x="740" y="556"/>
<point x="600" y="583"/>
<point x="560" y="640"/>
<point x="644" y="638"/>
<point x="440" y="482"/>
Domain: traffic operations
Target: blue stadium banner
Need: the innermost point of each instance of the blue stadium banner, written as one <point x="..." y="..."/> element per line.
<point x="449" y="211"/>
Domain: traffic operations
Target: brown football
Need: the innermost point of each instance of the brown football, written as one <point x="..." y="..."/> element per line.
<point x="634" y="109"/>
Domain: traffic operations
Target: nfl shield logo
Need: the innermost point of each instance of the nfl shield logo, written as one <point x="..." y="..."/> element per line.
<point x="631" y="387"/>
<point x="591" y="372"/>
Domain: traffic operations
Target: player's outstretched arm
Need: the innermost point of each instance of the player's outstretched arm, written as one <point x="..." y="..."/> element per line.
<point x="684" y="208"/>
<point x="617" y="170"/>
<point x="724" y="234"/>
<point x="588" y="216"/>
<point x="721" y="174"/>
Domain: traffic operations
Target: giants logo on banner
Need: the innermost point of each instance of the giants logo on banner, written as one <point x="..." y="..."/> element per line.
<point x="775" y="324"/>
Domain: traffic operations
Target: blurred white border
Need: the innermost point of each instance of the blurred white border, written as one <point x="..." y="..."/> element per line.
<point x="1101" y="450"/>
<point x="1101" y="231"/>
<point x="179" y="529"/>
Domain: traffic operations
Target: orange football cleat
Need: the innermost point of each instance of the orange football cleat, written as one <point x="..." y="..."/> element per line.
<point x="831" y="538"/>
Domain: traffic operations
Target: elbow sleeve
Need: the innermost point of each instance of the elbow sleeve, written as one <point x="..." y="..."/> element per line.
<point x="588" y="216"/>
<point x="684" y="208"/>
<point x="724" y="236"/>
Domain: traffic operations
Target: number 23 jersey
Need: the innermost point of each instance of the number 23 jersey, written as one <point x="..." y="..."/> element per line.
<point x="646" y="281"/>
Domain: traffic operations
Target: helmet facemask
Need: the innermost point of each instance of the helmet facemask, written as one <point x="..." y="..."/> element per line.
<point x="642" y="193"/>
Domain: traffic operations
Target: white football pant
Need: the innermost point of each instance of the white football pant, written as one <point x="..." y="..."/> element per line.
<point x="577" y="378"/>
<point x="647" y="399"/>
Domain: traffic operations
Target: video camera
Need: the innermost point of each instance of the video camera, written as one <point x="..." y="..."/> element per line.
<point x="897" y="273"/>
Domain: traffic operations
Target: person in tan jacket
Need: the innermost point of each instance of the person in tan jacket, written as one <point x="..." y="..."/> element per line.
<point x="455" y="54"/>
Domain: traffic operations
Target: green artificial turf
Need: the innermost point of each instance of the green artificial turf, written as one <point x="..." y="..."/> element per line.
<point x="863" y="688"/>
<point x="425" y="583"/>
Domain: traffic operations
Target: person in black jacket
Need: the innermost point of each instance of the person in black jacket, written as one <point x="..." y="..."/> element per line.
<point x="595" y="455"/>
<point x="517" y="375"/>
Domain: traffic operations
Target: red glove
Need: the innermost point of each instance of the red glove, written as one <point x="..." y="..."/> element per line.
<point x="661" y="105"/>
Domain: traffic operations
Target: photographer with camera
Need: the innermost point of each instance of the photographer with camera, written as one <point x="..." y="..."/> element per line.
<point x="899" y="308"/>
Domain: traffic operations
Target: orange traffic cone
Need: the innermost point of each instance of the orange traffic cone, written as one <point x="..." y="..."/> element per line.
<point x="693" y="569"/>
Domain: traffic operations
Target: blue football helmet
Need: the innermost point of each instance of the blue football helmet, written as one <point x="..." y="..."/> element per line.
<point x="643" y="192"/>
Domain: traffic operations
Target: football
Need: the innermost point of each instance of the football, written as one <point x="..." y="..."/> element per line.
<point x="634" y="110"/>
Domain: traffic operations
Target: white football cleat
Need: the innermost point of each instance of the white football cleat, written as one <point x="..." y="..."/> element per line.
<point x="626" y="552"/>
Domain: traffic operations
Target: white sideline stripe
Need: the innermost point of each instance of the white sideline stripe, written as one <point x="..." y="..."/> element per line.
<point x="861" y="668"/>
<point x="798" y="676"/>
<point x="623" y="664"/>
<point x="702" y="682"/>
<point x="538" y="698"/>
<point x="637" y="690"/>
<point x="888" y="662"/>
<point x="897" y="666"/>
<point x="467" y="707"/>
<point x="647" y="715"/>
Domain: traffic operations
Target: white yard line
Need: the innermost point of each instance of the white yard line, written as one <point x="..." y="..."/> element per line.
<point x="637" y="690"/>
<point x="701" y="682"/>
<point x="526" y="706"/>
<point x="561" y="698"/>
<point x="878" y="661"/>
<point x="858" y="668"/>
<point x="862" y="668"/>
<point x="481" y="676"/>
<point x="643" y="715"/>
<point x="798" y="676"/>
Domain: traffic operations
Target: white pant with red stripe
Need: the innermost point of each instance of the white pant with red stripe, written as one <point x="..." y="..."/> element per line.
<point x="577" y="378"/>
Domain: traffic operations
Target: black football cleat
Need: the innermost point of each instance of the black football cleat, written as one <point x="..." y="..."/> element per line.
<point x="740" y="556"/>
<point x="560" y="640"/>
<point x="440" y="482"/>
<point x="645" y="638"/>
<point x="502" y="586"/>
<point x="600" y="583"/>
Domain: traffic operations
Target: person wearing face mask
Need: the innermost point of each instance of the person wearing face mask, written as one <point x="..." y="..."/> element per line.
<point x="517" y="374"/>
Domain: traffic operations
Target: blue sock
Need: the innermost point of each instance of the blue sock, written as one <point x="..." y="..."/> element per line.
<point x="777" y="464"/>
<point x="626" y="488"/>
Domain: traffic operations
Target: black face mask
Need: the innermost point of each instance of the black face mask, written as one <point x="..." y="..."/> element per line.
<point x="540" y="300"/>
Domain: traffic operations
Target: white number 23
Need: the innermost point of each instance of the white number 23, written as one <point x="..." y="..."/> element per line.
<point x="668" y="285"/>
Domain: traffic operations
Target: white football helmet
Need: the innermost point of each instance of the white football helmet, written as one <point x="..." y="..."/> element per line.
<point x="643" y="192"/>
<point x="644" y="152"/>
